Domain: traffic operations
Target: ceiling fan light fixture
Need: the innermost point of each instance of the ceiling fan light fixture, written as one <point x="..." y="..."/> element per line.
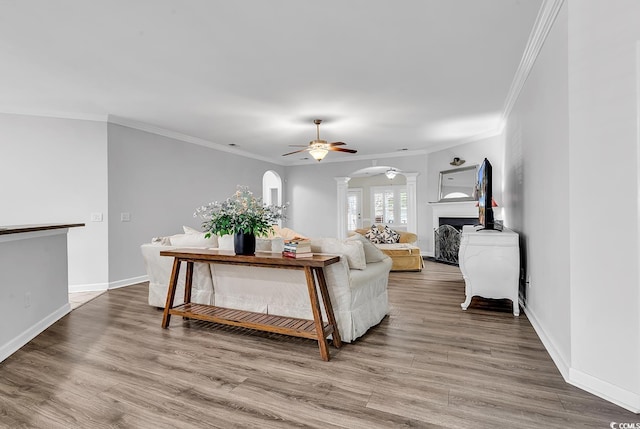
<point x="391" y="173"/>
<point x="319" y="148"/>
<point x="318" y="153"/>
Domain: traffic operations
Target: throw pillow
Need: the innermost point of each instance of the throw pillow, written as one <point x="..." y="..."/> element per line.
<point x="161" y="241"/>
<point x="371" y="252"/>
<point x="213" y="238"/>
<point x="193" y="240"/>
<point x="288" y="233"/>
<point x="353" y="251"/>
<point x="374" y="235"/>
<point x="389" y="236"/>
<point x="189" y="230"/>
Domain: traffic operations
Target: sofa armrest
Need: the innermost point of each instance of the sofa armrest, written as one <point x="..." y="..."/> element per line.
<point x="159" y="270"/>
<point x="407" y="237"/>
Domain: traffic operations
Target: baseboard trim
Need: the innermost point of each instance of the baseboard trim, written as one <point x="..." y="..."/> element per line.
<point x="15" y="344"/>
<point x="94" y="287"/>
<point x="614" y="394"/>
<point x="91" y="287"/>
<point x="128" y="282"/>
<point x="605" y="390"/>
<point x="556" y="356"/>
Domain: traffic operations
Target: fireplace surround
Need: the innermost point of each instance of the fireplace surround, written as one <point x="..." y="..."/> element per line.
<point x="448" y="220"/>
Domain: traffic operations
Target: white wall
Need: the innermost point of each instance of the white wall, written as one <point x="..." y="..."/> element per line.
<point x="536" y="195"/>
<point x="34" y="285"/>
<point x="55" y="171"/>
<point x="603" y="161"/>
<point x="571" y="190"/>
<point x="160" y="182"/>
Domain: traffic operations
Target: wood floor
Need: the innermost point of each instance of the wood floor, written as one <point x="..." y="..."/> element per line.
<point x="429" y="364"/>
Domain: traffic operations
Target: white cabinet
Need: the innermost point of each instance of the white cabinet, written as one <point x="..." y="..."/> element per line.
<point x="490" y="264"/>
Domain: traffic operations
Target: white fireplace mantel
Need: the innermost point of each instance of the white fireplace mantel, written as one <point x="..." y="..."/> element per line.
<point x="453" y="209"/>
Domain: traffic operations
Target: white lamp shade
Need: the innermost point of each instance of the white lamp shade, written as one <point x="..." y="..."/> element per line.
<point x="318" y="153"/>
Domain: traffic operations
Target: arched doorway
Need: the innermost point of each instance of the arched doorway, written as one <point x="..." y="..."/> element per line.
<point x="272" y="189"/>
<point x="344" y="194"/>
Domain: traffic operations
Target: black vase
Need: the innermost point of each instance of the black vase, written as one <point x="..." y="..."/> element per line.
<point x="244" y="244"/>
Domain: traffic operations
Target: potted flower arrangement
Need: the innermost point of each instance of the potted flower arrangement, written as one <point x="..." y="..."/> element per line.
<point x="243" y="216"/>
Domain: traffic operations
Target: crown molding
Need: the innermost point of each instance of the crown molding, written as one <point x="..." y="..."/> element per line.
<point x="153" y="129"/>
<point x="55" y="114"/>
<point x="544" y="21"/>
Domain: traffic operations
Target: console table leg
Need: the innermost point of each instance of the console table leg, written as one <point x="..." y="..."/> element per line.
<point x="166" y="317"/>
<point x="317" y="315"/>
<point x="326" y="300"/>
<point x="188" y="281"/>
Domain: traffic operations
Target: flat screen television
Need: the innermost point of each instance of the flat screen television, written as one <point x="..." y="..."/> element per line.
<point x="485" y="198"/>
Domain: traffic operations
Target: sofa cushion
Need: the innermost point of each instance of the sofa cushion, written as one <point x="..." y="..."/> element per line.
<point x="371" y="252"/>
<point x="352" y="250"/>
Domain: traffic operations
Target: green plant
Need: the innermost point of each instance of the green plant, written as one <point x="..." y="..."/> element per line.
<point x="241" y="213"/>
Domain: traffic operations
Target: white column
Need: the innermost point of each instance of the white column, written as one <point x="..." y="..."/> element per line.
<point x="342" y="184"/>
<point x="412" y="206"/>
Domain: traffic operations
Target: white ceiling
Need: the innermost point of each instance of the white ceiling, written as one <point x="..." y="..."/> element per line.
<point x="383" y="75"/>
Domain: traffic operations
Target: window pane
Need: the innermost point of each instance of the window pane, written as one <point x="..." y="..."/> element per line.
<point x="403" y="208"/>
<point x="378" y="201"/>
<point x="388" y="207"/>
<point x="352" y="214"/>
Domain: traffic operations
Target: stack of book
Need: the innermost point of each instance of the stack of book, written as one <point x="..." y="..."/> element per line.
<point x="297" y="249"/>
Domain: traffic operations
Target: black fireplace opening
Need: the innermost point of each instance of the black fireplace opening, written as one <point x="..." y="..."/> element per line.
<point x="457" y="222"/>
<point x="447" y="238"/>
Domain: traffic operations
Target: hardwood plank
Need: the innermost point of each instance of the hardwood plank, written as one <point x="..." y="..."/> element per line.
<point x="109" y="364"/>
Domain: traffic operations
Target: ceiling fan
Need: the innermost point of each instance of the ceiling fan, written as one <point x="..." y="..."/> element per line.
<point x="319" y="148"/>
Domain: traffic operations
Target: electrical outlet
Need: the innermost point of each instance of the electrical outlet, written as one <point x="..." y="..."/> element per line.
<point x="96" y="217"/>
<point x="27" y="299"/>
<point x="125" y="217"/>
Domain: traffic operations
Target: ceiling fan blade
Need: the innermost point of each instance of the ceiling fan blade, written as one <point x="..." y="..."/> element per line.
<point x="340" y="149"/>
<point x="296" y="151"/>
<point x="337" y="144"/>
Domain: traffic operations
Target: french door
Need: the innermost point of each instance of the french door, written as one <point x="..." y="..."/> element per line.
<point x="354" y="209"/>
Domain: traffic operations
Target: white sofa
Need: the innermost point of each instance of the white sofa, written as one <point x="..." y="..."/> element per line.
<point x="357" y="284"/>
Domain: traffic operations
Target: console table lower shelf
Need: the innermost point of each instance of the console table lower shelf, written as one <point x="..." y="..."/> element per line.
<point x="292" y="326"/>
<point x="313" y="267"/>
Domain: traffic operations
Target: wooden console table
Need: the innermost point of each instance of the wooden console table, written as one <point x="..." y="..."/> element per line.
<point x="314" y="329"/>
